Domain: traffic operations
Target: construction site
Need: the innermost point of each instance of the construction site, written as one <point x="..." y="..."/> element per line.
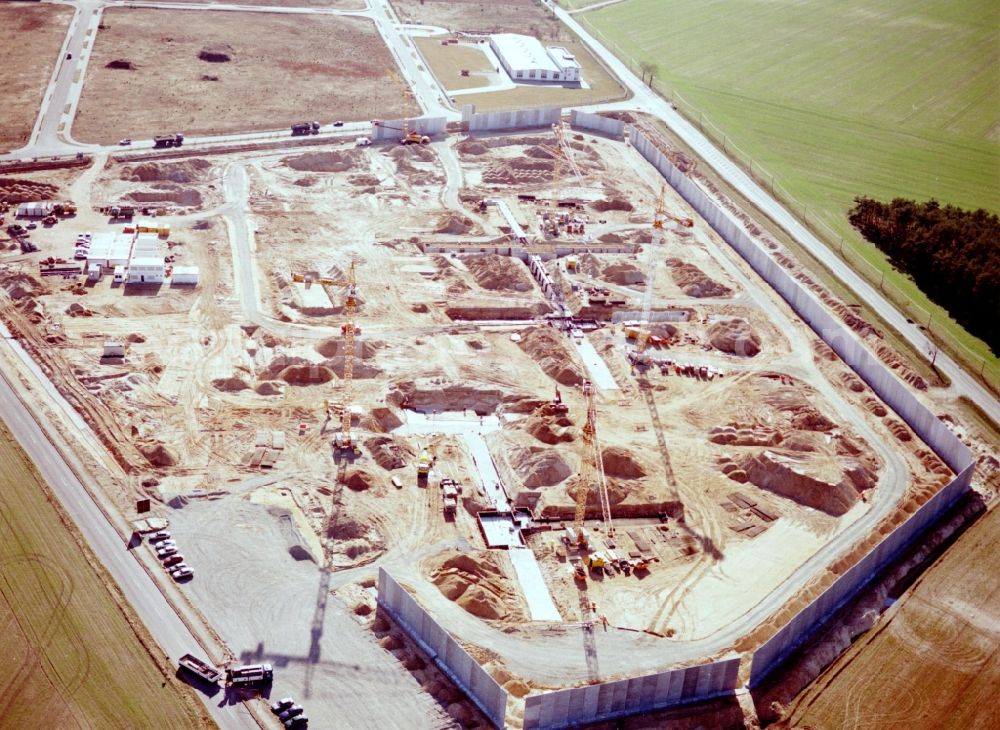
<point x="516" y="370"/>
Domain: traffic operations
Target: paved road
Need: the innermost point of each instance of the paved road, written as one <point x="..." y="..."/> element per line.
<point x="139" y="589"/>
<point x="646" y="100"/>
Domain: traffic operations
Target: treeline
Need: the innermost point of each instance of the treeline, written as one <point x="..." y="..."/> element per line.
<point x="952" y="254"/>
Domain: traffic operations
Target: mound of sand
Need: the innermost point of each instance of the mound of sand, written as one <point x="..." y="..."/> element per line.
<point x="14" y="190"/>
<point x="455" y="225"/>
<point x="334" y="346"/>
<point x="623" y="273"/>
<point x="336" y="161"/>
<point x="622" y="463"/>
<point x="540" y="467"/>
<point x="475" y="581"/>
<point x="269" y="387"/>
<point x="499" y="273"/>
<point x="433" y="394"/>
<point x="188" y="171"/>
<point x="694" y="281"/>
<point x="217" y="53"/>
<point x="602" y="206"/>
<point x="389" y="453"/>
<point x="179" y="196"/>
<point x="230" y="385"/>
<point x="548" y="348"/>
<point x="412" y="151"/>
<point x="157" y="454"/>
<point x="735" y="336"/>
<point x="306" y="374"/>
<point x="471" y="146"/>
<point x="360" y="481"/>
<point x="812" y="480"/>
<point x="19" y="285"/>
<point x="549" y="430"/>
<point x="383" y="420"/>
<point x="356" y="541"/>
<point x="590" y="265"/>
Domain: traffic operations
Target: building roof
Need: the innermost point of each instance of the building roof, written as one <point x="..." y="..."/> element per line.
<point x="563" y="58"/>
<point x="109" y="245"/>
<point x="523" y="52"/>
<point x="150" y="261"/>
<point x="185" y="270"/>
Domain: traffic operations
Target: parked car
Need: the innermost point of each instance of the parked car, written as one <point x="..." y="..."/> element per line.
<point x="159" y="536"/>
<point x="282" y="704"/>
<point x="162" y="553"/>
<point x="79" y="255"/>
<point x="86" y="235"/>
<point x="291" y="712"/>
<point x="300" y="721"/>
<point x="178" y="566"/>
<point x="125" y="142"/>
<point x="32" y="226"/>
<point x="185" y="572"/>
<point x="174" y="559"/>
<point x="338" y="123"/>
<point x="28" y="246"/>
<point x="69" y="56"/>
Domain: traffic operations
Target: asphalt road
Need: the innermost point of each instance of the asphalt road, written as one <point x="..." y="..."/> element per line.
<point x="139" y="589"/>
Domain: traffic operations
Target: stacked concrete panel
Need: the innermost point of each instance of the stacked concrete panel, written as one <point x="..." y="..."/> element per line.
<point x="596" y="123"/>
<point x="391" y="129"/>
<point x="892" y="391"/>
<point x="521" y="119"/>
<point x="599" y="702"/>
<point x="443" y="650"/>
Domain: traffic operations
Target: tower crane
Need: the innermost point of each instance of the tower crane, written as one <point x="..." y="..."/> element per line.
<point x="593" y="445"/>
<point x="562" y="153"/>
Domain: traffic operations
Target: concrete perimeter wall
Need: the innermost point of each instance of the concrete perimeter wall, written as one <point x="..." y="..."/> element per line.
<point x="568" y="708"/>
<point x="892" y="391"/>
<point x="521" y="119"/>
<point x="445" y="652"/>
<point x="596" y="123"/>
<point x="391" y="128"/>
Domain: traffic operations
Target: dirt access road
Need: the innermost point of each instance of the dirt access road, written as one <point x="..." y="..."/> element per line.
<point x="219" y="72"/>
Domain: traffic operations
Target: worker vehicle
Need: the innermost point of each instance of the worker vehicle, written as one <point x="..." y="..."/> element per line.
<point x="450" y="489"/>
<point x="414" y="138"/>
<point x="281" y="704"/>
<point x="338" y="123"/>
<point x="165" y="552"/>
<point x="250" y="675"/>
<point x="595" y="561"/>
<point x="290" y="712"/>
<point x="556" y="407"/>
<point x="362" y="142"/>
<point x="184" y="572"/>
<point x="27" y="246"/>
<point x="200" y="668"/>
<point x="305" y="128"/>
<point x="177" y="566"/>
<point x="16" y="229"/>
<point x="79" y="255"/>
<point x="64" y="209"/>
<point x="298" y="721"/>
<point x="159" y="536"/>
<point x="32" y="226"/>
<point x="69" y="56"/>
<point x="125" y="142"/>
<point x="168" y="140"/>
<point x="50" y="220"/>
<point x="397" y="482"/>
<point x="174" y="559"/>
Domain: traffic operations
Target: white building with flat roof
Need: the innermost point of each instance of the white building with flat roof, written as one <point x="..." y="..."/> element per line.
<point x="146" y="270"/>
<point x="526" y="59"/>
<point x="109" y="249"/>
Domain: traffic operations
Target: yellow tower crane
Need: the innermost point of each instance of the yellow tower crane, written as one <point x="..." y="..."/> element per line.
<point x="345" y="439"/>
<point x="592" y="445"/>
<point x="562" y="153"/>
<point x="661" y="215"/>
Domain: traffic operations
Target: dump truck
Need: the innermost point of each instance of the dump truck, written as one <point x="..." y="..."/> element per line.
<point x="200" y="668"/>
<point x="414" y="138"/>
<point x="424" y="464"/>
<point x="249" y="675"/>
<point x="168" y="140"/>
<point x="450" y="489"/>
<point x="305" y="128"/>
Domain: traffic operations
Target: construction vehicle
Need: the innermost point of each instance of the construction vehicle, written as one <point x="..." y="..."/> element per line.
<point x="556" y="407"/>
<point x="305" y="128"/>
<point x="424" y="462"/>
<point x="408" y="135"/>
<point x="661" y="215"/>
<point x="199" y="668"/>
<point x="64" y="209"/>
<point x="450" y="489"/>
<point x="250" y="675"/>
<point x="594" y="459"/>
<point x="50" y="220"/>
<point x="168" y="140"/>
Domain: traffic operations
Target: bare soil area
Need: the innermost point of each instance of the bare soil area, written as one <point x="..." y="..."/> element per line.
<point x="448" y="62"/>
<point x="217" y="72"/>
<point x="516" y="16"/>
<point x="30" y="38"/>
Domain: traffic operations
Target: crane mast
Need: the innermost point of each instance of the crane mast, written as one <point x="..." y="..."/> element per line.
<point x="592" y="445"/>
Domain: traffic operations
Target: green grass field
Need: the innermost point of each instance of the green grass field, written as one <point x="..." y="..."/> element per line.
<point x="832" y="100"/>
<point x="73" y="655"/>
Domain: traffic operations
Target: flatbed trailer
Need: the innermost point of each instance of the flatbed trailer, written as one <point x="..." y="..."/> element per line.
<point x="200" y="668"/>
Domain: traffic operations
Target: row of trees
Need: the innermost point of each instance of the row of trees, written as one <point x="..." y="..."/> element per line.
<point x="953" y="255"/>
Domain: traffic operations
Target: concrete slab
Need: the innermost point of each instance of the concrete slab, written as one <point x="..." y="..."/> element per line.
<point x="598" y="369"/>
<point x="536" y="592"/>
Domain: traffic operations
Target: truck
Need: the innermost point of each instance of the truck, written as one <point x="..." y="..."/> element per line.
<point x="199" y="668"/>
<point x="305" y="128"/>
<point x="450" y="489"/>
<point x="168" y="140"/>
<point x="249" y="675"/>
<point x="424" y="464"/>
